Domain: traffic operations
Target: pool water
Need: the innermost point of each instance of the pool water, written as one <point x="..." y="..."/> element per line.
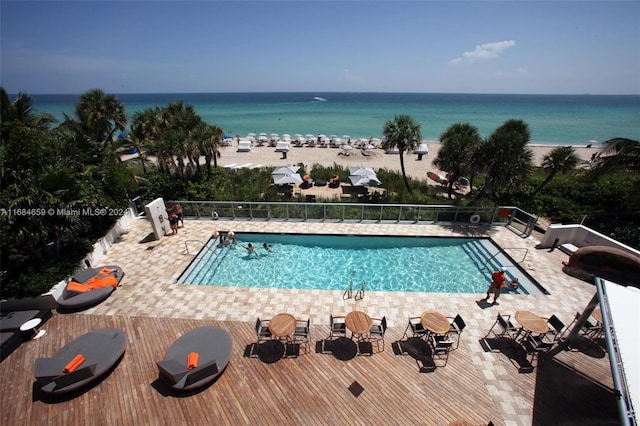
<point x="329" y="262"/>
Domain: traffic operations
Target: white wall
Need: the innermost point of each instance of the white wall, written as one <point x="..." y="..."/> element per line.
<point x="580" y="236"/>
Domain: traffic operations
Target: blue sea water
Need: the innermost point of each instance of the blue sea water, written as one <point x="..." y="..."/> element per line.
<point x="552" y="119"/>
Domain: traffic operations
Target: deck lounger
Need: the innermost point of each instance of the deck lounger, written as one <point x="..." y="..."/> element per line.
<point x="77" y="300"/>
<point x="101" y="349"/>
<point x="213" y="346"/>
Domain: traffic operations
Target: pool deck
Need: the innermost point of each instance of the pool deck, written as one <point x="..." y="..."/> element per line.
<point x="149" y="292"/>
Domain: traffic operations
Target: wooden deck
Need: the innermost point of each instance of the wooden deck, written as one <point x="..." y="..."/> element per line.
<point x="310" y="389"/>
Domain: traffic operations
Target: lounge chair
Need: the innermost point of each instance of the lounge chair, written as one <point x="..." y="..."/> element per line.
<point x="209" y="351"/>
<point x="80" y="362"/>
<point x="72" y="299"/>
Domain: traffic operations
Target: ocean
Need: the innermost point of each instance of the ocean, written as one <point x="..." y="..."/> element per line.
<point x="553" y="119"/>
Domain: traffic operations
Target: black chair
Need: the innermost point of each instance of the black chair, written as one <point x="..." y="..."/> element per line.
<point x="441" y="348"/>
<point x="534" y="345"/>
<point x="338" y="327"/>
<point x="588" y="328"/>
<point x="377" y="331"/>
<point x="457" y="325"/>
<point x="302" y="333"/>
<point x="262" y="330"/>
<point x="555" y="327"/>
<point x="416" y="327"/>
<point x="504" y="326"/>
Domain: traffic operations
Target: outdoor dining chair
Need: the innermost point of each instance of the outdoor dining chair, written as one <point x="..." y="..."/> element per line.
<point x="338" y="326"/>
<point x="262" y="330"/>
<point x="555" y="327"/>
<point x="302" y="334"/>
<point x="416" y="327"/>
<point x="441" y="347"/>
<point x="457" y="325"/>
<point x="377" y="331"/>
<point x="503" y="327"/>
<point x="534" y="345"/>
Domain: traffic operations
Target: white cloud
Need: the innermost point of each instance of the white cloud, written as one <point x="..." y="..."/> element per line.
<point x="484" y="51"/>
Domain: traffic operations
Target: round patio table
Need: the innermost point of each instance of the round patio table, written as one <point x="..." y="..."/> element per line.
<point x="358" y="322"/>
<point x="435" y="322"/>
<point x="532" y="322"/>
<point x="282" y="325"/>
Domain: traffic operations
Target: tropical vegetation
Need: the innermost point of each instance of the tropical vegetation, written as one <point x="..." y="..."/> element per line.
<point x="54" y="178"/>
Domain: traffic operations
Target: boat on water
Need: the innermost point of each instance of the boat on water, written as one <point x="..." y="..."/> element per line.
<point x="319" y="99"/>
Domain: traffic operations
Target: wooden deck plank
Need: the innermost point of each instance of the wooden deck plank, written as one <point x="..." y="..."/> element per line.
<point x="312" y="388"/>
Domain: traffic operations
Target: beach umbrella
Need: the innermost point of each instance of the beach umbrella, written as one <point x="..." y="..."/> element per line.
<point x="368" y="146"/>
<point x="309" y="136"/>
<point x="346" y="147"/>
<point x="287" y="179"/>
<point x="285" y="170"/>
<point x="365" y="180"/>
<point x="263" y="134"/>
<point x="337" y="141"/>
<point x="333" y="136"/>
<point x="275" y="135"/>
<point x="361" y="171"/>
<point x="286" y="135"/>
<point x="262" y="138"/>
<point x="251" y="134"/>
<point x="422" y="149"/>
<point x="227" y="137"/>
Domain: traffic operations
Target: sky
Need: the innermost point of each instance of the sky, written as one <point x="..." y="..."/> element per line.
<point x="537" y="47"/>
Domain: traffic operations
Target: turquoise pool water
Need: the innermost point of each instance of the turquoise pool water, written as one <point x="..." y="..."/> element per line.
<point x="329" y="262"/>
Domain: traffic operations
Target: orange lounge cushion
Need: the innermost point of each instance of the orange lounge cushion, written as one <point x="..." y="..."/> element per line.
<point x="73" y="364"/>
<point x="92" y="284"/>
<point x="107" y="271"/>
<point x="192" y="360"/>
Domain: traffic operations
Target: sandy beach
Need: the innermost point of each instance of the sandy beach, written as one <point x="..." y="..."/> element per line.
<point x="376" y="158"/>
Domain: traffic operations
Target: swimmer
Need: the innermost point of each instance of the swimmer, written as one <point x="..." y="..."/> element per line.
<point x="513" y="284"/>
<point x="267" y="247"/>
<point x="250" y="248"/>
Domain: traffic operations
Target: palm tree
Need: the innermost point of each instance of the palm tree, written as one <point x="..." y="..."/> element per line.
<point x="404" y="133"/>
<point x="559" y="160"/>
<point x="508" y="159"/>
<point x="100" y="115"/>
<point x="622" y="155"/>
<point x="459" y="143"/>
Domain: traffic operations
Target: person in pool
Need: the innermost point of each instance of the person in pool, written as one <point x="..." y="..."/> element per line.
<point x="267" y="247"/>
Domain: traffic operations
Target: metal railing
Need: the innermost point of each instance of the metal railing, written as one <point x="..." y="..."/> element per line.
<point x="504" y="249"/>
<point x="516" y="219"/>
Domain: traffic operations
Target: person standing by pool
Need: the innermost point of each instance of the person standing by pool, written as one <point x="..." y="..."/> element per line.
<point x="497" y="282"/>
<point x="177" y="209"/>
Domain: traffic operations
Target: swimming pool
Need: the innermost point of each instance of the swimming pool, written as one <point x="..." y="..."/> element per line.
<point x="331" y="262"/>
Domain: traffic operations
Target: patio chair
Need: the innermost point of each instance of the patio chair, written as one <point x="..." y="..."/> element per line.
<point x="377" y="331"/>
<point x="262" y="330"/>
<point x="534" y="345"/>
<point x="441" y="347"/>
<point x="416" y="327"/>
<point x="588" y="328"/>
<point x="504" y="326"/>
<point x="302" y="333"/>
<point x="555" y="327"/>
<point x="337" y="327"/>
<point x="457" y="325"/>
